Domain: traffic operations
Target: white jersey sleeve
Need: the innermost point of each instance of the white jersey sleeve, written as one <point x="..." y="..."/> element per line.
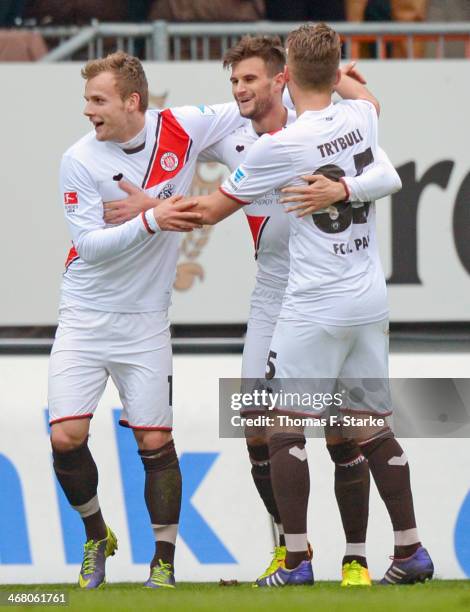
<point x="208" y="124"/>
<point x="93" y="241"/>
<point x="378" y="181"/>
<point x="215" y="153"/>
<point x="267" y="166"/>
<point x="370" y="112"/>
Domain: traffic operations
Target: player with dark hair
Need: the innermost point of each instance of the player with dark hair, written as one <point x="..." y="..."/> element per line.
<point x="333" y="322"/>
<point x="257" y="65"/>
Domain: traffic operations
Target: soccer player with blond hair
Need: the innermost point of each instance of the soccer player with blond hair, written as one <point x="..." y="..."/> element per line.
<point x="113" y="316"/>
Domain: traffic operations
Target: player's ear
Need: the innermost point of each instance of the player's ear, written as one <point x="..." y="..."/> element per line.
<point x="133" y="102"/>
<point x="280" y="79"/>
<point x="286" y="74"/>
<point x="337" y="77"/>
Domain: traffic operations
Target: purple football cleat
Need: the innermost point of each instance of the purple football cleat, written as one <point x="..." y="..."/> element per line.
<point x="161" y="576"/>
<point x="417" y="568"/>
<point x="92" y="572"/>
<point x="302" y="574"/>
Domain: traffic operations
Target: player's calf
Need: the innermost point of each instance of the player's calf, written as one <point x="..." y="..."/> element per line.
<point x="291" y="486"/>
<point x="352" y="485"/>
<point x="163" y="500"/>
<point x="389" y="466"/>
<point x="77" y="474"/>
<point x="261" y="474"/>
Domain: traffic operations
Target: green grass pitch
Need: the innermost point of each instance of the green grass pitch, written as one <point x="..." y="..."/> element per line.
<point x="439" y="595"/>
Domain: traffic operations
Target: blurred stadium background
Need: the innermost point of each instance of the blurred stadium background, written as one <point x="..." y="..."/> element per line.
<point x="414" y="54"/>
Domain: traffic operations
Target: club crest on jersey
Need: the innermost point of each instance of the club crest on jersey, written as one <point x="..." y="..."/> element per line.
<point x="70" y="202"/>
<point x="169" y="161"/>
<point x="167" y="191"/>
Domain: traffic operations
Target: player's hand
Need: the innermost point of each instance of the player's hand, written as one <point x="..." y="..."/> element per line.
<point x="320" y="193"/>
<point x="174" y="215"/>
<point x="351" y="71"/>
<point x="120" y="211"/>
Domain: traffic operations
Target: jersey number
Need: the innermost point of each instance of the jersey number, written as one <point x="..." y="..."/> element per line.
<point x="270" y="367"/>
<point x="338" y="217"/>
<point x="170" y="390"/>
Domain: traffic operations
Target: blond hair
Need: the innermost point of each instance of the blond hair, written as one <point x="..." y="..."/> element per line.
<point x="313" y="53"/>
<point x="128" y="72"/>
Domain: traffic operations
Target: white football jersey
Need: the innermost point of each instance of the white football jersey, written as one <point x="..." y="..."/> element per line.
<point x="335" y="273"/>
<point x="131" y="267"/>
<point x="267" y="220"/>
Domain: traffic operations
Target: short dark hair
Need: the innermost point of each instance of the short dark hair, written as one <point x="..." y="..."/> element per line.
<point x="313" y="52"/>
<point x="128" y="71"/>
<point x="268" y="48"/>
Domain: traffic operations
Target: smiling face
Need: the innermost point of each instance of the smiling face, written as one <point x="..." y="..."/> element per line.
<point x="253" y="88"/>
<point x="112" y="117"/>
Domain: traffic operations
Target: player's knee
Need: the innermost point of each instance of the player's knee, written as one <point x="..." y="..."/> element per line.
<point x="258" y="439"/>
<point x="345" y="452"/>
<point x="160" y="458"/>
<point x="286" y="441"/>
<point x="255" y="436"/>
<point x="369" y="446"/>
<point x="65" y="439"/>
<point x="148" y="440"/>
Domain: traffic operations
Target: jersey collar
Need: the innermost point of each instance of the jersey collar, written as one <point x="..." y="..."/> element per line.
<point x="317" y="113"/>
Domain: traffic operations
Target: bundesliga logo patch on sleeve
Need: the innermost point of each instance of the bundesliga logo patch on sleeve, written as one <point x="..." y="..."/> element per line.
<point x="70" y="201"/>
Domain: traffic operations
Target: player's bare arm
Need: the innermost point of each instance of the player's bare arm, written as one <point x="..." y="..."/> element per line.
<point x="213" y="208"/>
<point x="170" y="214"/>
<point x="351" y="70"/>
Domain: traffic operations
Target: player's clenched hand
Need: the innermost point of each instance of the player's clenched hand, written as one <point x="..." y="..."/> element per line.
<point x="120" y="211"/>
<point x="320" y="193"/>
<point x="174" y="215"/>
<point x="351" y="71"/>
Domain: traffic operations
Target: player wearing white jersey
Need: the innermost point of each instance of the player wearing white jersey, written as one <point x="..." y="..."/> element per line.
<point x="333" y="319"/>
<point x="115" y="295"/>
<point x="256" y="64"/>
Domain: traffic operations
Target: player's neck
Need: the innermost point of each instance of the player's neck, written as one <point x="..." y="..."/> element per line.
<point x="133" y="130"/>
<point x="311" y="101"/>
<point x="275" y="120"/>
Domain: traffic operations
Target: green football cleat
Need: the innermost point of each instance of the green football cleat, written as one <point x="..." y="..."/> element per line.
<point x="354" y="574"/>
<point x="278" y="560"/>
<point x="95" y="553"/>
<point x="161" y="576"/>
